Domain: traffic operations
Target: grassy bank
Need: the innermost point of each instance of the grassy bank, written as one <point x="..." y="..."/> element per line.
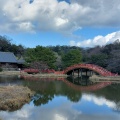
<point x="96" y="78"/>
<point x="10" y="73"/>
<point x="44" y="75"/>
<point x="14" y="97"/>
<point x="39" y="75"/>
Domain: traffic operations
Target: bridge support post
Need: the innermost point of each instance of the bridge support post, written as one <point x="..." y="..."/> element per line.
<point x="73" y="79"/>
<point x="91" y="73"/>
<point x="78" y="72"/>
<point x="86" y="72"/>
<point x="73" y="73"/>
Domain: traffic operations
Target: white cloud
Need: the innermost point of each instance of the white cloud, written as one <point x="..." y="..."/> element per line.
<point x="42" y="14"/>
<point x="60" y="21"/>
<point x="57" y="16"/>
<point x="98" y="40"/>
<point x="72" y="43"/>
<point x="26" y="26"/>
<point x="103" y="12"/>
<point x="59" y="117"/>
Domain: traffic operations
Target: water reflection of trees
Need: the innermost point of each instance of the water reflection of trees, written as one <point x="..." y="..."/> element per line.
<point x="46" y="90"/>
<point x="72" y="94"/>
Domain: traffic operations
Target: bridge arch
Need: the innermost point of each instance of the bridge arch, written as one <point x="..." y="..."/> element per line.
<point x="92" y="67"/>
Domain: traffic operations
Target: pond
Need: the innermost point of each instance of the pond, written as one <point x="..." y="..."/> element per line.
<point x="66" y="99"/>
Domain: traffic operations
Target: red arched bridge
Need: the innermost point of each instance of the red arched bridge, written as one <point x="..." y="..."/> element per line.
<point x="91" y="67"/>
<point x="77" y="67"/>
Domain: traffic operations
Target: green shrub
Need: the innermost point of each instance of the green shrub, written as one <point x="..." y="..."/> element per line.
<point x="1" y="69"/>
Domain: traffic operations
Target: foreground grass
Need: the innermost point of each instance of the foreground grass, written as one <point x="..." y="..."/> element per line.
<point x="14" y="97"/>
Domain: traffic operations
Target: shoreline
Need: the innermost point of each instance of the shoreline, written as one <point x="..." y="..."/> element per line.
<point x="96" y="78"/>
<point x="38" y="75"/>
<point x="10" y="73"/>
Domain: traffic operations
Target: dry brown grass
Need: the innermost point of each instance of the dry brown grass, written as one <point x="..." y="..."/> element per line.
<point x="13" y="97"/>
<point x="45" y="75"/>
<point x="10" y="73"/>
<point x="40" y="75"/>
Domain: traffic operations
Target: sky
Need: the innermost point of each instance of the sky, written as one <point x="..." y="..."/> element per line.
<point x="82" y="23"/>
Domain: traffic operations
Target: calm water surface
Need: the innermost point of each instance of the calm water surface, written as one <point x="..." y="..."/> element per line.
<point x="66" y="99"/>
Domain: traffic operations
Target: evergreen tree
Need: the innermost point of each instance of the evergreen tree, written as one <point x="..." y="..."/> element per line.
<point x="41" y="54"/>
<point x="72" y="57"/>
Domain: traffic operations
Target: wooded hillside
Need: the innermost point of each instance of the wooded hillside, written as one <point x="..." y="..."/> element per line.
<point x="60" y="57"/>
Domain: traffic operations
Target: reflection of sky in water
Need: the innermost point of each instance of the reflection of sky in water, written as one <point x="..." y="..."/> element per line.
<point x="89" y="107"/>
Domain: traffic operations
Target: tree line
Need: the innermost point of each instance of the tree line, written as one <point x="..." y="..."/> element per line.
<point x="60" y="57"/>
<point x="6" y="45"/>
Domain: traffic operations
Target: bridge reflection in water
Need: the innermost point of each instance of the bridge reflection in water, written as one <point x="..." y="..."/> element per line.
<point x="82" y="81"/>
<point x="78" y="83"/>
<point x="84" y="84"/>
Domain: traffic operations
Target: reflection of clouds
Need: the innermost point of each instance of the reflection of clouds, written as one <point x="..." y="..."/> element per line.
<point x="59" y="117"/>
<point x="99" y="100"/>
<point x="22" y="114"/>
<point x="55" y="111"/>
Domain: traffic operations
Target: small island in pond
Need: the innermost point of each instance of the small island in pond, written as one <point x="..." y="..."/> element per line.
<point x="14" y="97"/>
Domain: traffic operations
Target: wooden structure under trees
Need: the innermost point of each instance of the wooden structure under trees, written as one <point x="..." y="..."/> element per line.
<point x="8" y="61"/>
